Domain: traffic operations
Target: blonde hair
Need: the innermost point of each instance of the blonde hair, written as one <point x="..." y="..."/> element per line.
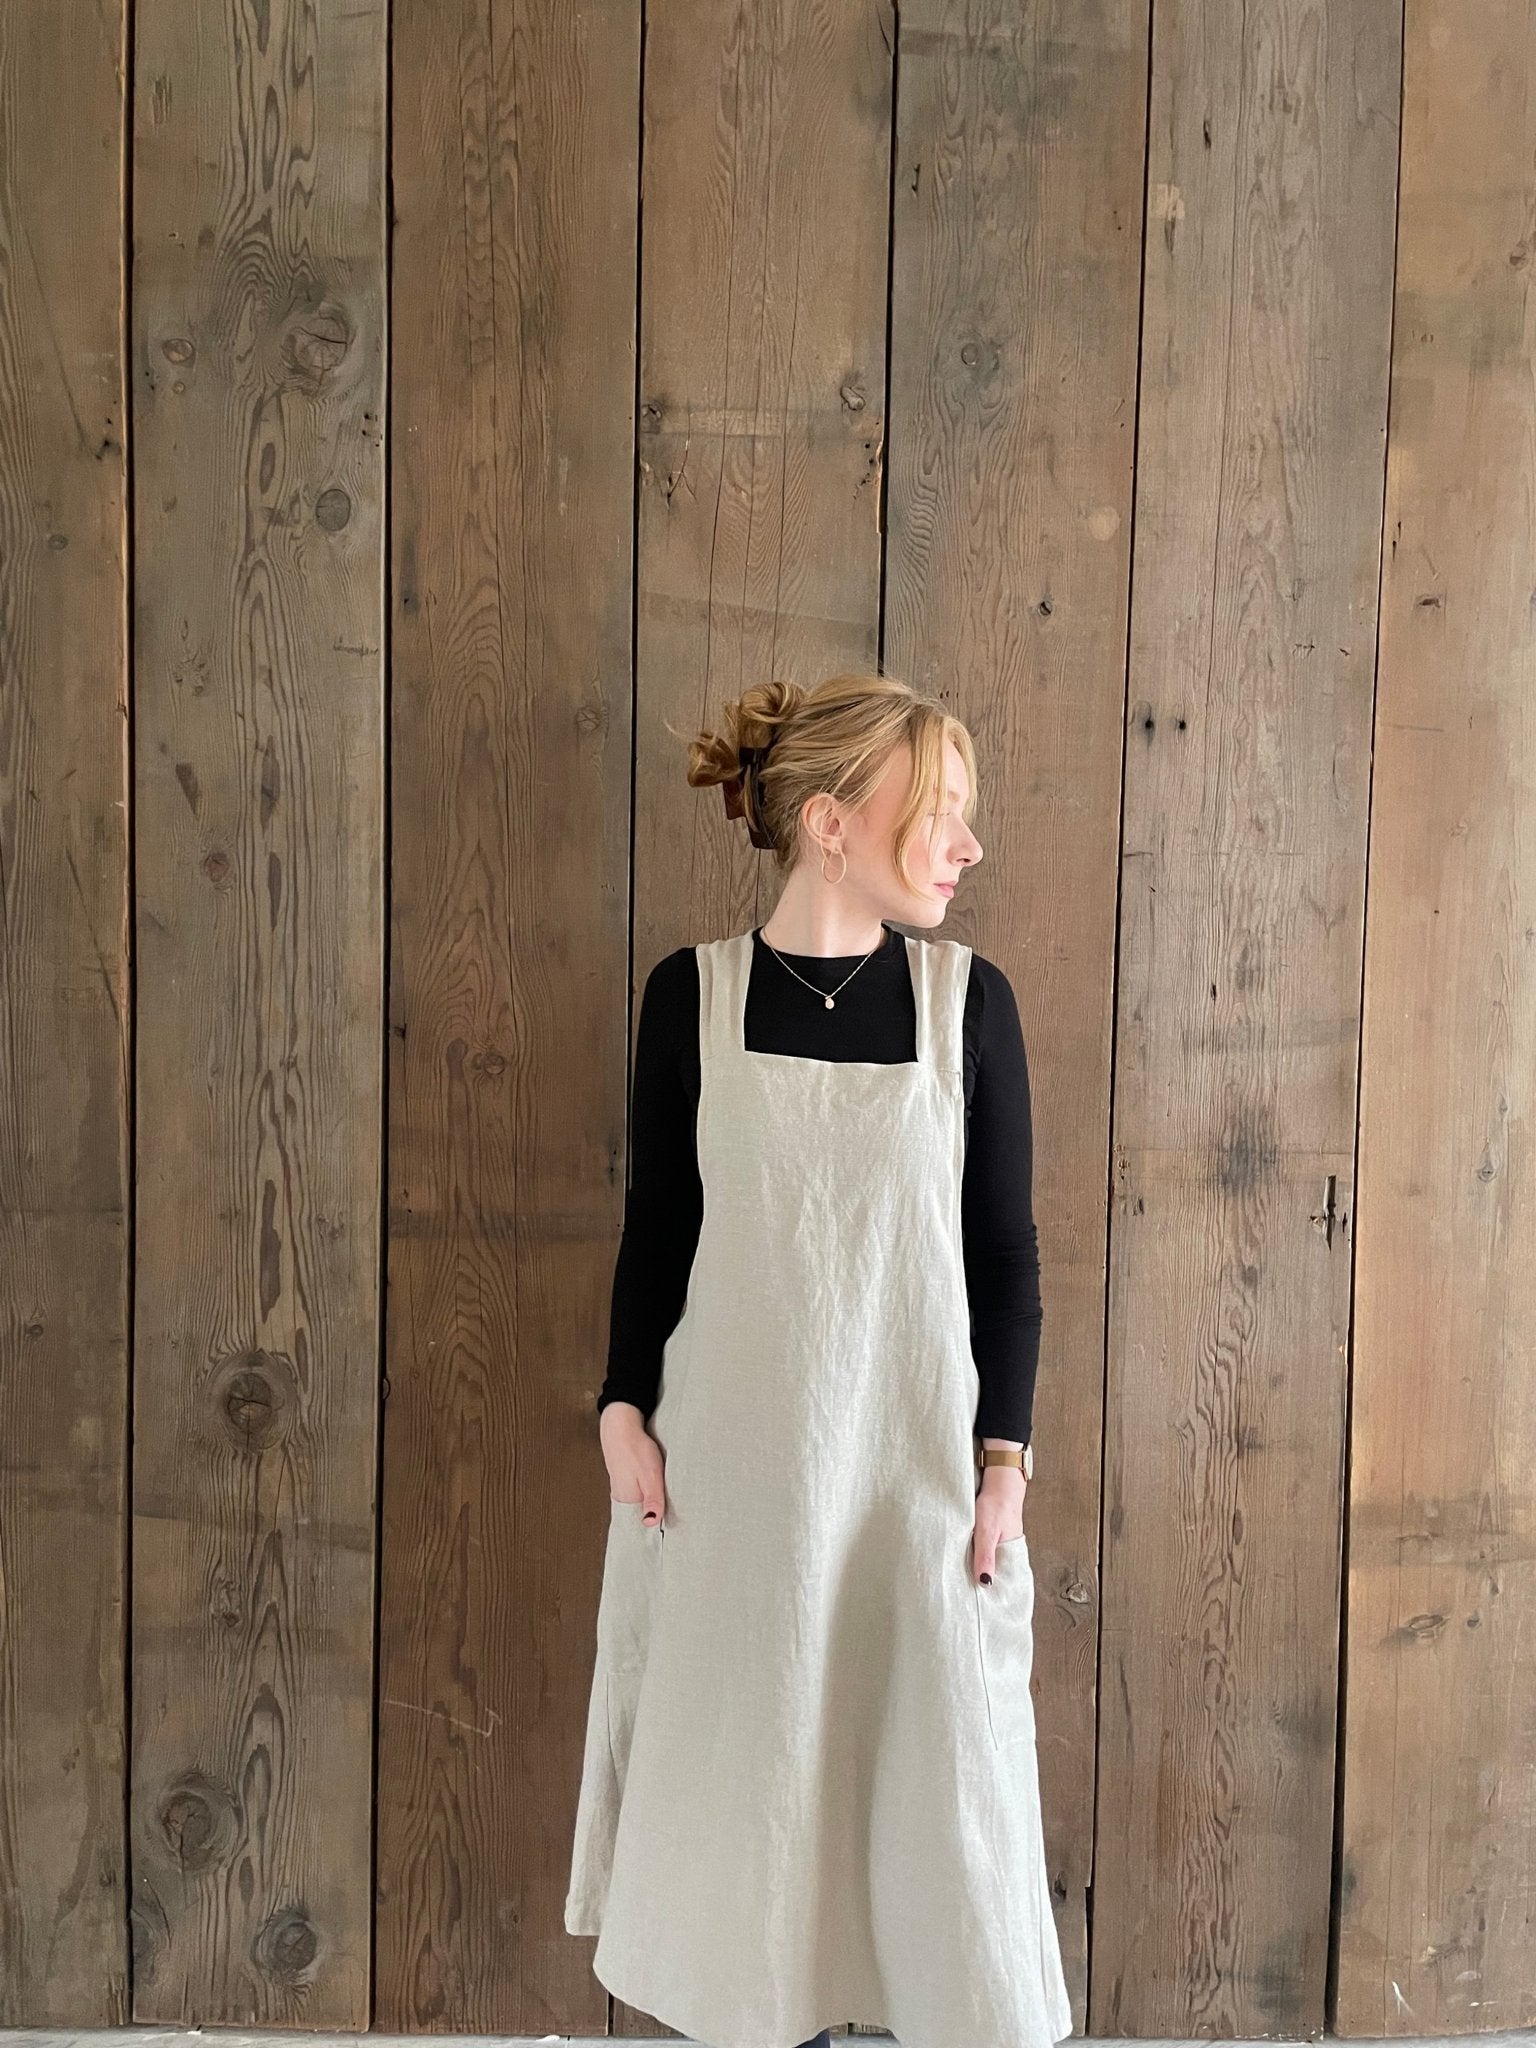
<point x="785" y="744"/>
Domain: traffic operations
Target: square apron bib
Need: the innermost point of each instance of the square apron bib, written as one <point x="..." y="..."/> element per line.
<point x="810" y="1790"/>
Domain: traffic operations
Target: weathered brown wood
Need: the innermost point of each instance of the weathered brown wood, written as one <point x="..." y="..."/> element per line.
<point x="1268" y="268"/>
<point x="762" y="418"/>
<point x="1016" y="279"/>
<point x="762" y="410"/>
<point x="1438" y="1874"/>
<point x="515" y="191"/>
<point x="1257" y="429"/>
<point x="63" y="1018"/>
<point x="258" y="351"/>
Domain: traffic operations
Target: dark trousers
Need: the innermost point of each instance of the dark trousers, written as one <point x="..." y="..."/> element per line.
<point x="821" y="2040"/>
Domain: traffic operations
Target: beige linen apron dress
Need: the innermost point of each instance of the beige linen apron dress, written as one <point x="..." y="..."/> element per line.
<point x="809" y="1790"/>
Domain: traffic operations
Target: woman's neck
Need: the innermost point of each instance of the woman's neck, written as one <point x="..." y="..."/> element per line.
<point x="825" y="931"/>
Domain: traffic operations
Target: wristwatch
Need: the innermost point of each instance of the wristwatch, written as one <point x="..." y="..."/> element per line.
<point x="995" y="1454"/>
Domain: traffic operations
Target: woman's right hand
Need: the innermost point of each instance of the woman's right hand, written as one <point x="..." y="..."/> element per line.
<point x="633" y="1458"/>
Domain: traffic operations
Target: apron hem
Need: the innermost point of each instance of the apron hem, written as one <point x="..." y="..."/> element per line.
<point x="698" y="2027"/>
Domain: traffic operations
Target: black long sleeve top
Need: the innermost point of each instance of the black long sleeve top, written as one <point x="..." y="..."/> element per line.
<point x="875" y="1019"/>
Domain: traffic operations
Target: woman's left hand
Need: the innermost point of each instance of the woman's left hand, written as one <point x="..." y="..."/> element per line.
<point x="999" y="1516"/>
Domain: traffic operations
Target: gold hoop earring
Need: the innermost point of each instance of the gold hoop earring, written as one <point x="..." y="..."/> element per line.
<point x="842" y="856"/>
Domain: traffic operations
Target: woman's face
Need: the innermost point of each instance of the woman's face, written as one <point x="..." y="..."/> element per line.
<point x="942" y="848"/>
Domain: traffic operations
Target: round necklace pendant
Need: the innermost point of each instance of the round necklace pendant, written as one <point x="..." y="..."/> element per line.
<point x="830" y="1004"/>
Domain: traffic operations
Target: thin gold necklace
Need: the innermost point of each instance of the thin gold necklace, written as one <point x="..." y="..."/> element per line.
<point x="829" y="1000"/>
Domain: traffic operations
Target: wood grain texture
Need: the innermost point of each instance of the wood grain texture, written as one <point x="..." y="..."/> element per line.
<point x="1268" y="268"/>
<point x="1438" y="1887"/>
<point x="1114" y="489"/>
<point x="64" y="1025"/>
<point x="1015" y="289"/>
<point x="762" y="410"/>
<point x="258" y="383"/>
<point x="515" y="189"/>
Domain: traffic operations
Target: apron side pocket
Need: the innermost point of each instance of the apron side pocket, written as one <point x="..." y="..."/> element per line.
<point x="630" y="1571"/>
<point x="625" y="1614"/>
<point x="1005" y="1627"/>
<point x="597" y="1812"/>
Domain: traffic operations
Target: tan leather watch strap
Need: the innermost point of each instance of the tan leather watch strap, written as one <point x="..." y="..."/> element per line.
<point x="995" y="1454"/>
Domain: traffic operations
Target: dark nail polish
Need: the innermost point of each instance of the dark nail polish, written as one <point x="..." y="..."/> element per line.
<point x="986" y="1578"/>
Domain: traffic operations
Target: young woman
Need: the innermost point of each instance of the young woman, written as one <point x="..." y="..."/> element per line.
<point x="810" y="1789"/>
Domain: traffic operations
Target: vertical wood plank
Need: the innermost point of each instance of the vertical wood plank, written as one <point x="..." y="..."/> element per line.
<point x="64" y="1043"/>
<point x="258" y="377"/>
<point x="1268" y="264"/>
<point x="1438" y="1870"/>
<point x="515" y="189"/>
<point x="1016" y="282"/>
<point x="762" y="411"/>
<point x="761" y="419"/>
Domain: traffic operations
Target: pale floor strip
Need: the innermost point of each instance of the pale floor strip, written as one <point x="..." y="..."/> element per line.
<point x="234" y="2037"/>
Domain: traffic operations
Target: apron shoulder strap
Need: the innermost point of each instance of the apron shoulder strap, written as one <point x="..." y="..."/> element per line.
<point x="724" y="965"/>
<point x="941" y="976"/>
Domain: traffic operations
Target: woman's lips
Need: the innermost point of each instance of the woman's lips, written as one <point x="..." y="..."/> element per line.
<point x="945" y="888"/>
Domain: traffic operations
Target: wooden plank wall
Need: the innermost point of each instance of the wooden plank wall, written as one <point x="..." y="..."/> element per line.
<point x="1438" y="1828"/>
<point x="507" y="389"/>
<point x="1265" y="337"/>
<point x="258" y="356"/>
<point x="64" y="1017"/>
<point x="512" y="453"/>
